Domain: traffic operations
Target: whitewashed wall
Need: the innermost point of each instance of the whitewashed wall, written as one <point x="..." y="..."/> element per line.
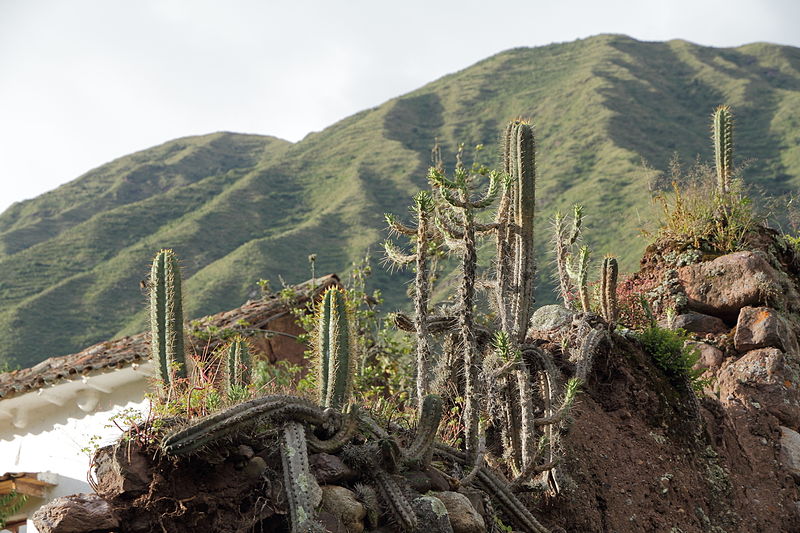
<point x="46" y="430"/>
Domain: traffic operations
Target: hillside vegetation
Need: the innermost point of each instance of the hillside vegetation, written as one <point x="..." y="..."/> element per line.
<point x="237" y="208"/>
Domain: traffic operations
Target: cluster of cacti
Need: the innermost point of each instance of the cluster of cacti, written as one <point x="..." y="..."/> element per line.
<point x="166" y="319"/>
<point x="238" y="366"/>
<point x="722" y="124"/>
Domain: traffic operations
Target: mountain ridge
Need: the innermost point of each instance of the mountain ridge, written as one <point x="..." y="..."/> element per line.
<point x="239" y="207"/>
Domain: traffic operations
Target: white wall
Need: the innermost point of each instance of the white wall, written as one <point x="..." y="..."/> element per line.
<point x="45" y="431"/>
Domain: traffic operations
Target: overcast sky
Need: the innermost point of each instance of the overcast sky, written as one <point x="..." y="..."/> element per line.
<point x="85" y="81"/>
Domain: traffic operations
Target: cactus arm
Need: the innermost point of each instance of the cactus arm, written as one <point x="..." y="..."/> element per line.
<point x="524" y="211"/>
<point x="397" y="227"/>
<point x="572" y="389"/>
<point x="491" y="193"/>
<point x="323" y="344"/>
<point x="338" y="440"/>
<point x="395" y="500"/>
<point x="430" y="416"/>
<point x="396" y="256"/>
<point x="302" y="492"/>
<point x="608" y="290"/>
<point x="424" y="208"/>
<point x="342" y="366"/>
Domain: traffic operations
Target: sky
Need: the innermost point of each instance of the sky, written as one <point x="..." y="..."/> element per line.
<point x="83" y="82"/>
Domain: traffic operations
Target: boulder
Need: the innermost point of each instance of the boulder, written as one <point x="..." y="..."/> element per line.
<point x="463" y="516"/>
<point x="723" y="286"/>
<point x="699" y="323"/>
<point x="345" y="514"/>
<point x="764" y="327"/>
<point x="551" y="318"/>
<point x="329" y="469"/>
<point x="764" y="379"/>
<point x="431" y="514"/>
<point x="710" y="356"/>
<point x="78" y="513"/>
<point x="790" y="451"/>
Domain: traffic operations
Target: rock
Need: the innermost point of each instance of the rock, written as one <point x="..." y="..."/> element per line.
<point x="254" y="467"/>
<point x="329" y="469"/>
<point x="431" y="514"/>
<point x="438" y="481"/>
<point x="710" y="356"/>
<point x="347" y="512"/>
<point x="551" y="317"/>
<point x="765" y="378"/>
<point x="119" y="469"/>
<point x="790" y="451"/>
<point x="463" y="516"/>
<point x="763" y="327"/>
<point x="699" y="323"/>
<point x="418" y="481"/>
<point x="79" y="513"/>
<point x="723" y="286"/>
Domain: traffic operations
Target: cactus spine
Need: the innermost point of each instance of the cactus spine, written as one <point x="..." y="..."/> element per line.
<point x="336" y="349"/>
<point x="608" y="290"/>
<point x="722" y="123"/>
<point x="238" y="364"/>
<point x="166" y="318"/>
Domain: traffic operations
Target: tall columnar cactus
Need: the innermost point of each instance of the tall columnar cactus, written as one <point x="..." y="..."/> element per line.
<point x="457" y="194"/>
<point x="722" y="123"/>
<point x="336" y="350"/>
<point x="166" y="318"/>
<point x="238" y="368"/>
<point x="424" y="237"/>
<point x="519" y="162"/>
<point x="608" y="290"/>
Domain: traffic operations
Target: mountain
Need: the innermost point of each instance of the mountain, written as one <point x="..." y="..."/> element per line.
<point x="237" y="208"/>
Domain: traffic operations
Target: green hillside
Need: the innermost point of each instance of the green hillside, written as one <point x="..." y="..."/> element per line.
<point x="242" y="207"/>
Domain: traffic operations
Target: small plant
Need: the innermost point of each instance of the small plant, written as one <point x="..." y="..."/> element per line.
<point x="10" y="504"/>
<point x="671" y="353"/>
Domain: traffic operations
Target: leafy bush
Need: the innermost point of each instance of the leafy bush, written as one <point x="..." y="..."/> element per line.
<point x="672" y="354"/>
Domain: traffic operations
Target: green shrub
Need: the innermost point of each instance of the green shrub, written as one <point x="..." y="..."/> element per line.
<point x="672" y="354"/>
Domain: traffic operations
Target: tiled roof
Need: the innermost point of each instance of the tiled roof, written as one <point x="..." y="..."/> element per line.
<point x="119" y="353"/>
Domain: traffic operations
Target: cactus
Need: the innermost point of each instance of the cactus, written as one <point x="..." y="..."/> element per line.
<point x="346" y="432"/>
<point x="564" y="240"/>
<point x="608" y="290"/>
<point x="395" y="500"/>
<point x="302" y="492"/>
<point x="210" y="429"/>
<point x="457" y="193"/>
<point x="424" y="237"/>
<point x="722" y="124"/>
<point x="238" y="365"/>
<point x="336" y="350"/>
<point x="428" y="420"/>
<point x="166" y="318"/>
<point x="580" y="274"/>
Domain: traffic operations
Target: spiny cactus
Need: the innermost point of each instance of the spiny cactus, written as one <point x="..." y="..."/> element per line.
<point x="722" y="124"/>
<point x="238" y="369"/>
<point x="579" y="273"/>
<point x="520" y="164"/>
<point x="457" y="193"/>
<point x="608" y="290"/>
<point x="564" y="239"/>
<point x="210" y="429"/>
<point x="397" y="503"/>
<point x="430" y="416"/>
<point x="166" y="318"/>
<point x="336" y="349"/>
<point x="424" y="236"/>
<point x="302" y="492"/>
